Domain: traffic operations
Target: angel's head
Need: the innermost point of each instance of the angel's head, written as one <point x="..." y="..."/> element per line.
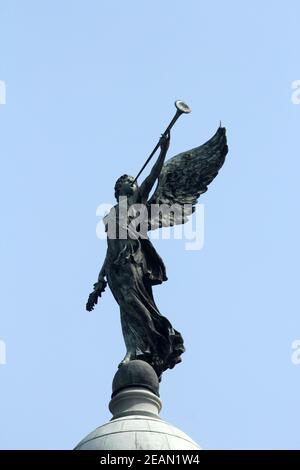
<point x="125" y="186"/>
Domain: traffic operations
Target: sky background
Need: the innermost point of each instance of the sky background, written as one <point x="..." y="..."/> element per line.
<point x="90" y="86"/>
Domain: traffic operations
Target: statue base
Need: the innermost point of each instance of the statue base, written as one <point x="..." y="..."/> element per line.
<point x="136" y="424"/>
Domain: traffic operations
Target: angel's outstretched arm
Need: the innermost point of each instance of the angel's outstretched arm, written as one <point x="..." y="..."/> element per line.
<point x="149" y="182"/>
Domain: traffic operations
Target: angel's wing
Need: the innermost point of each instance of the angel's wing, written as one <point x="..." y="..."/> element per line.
<point x="183" y="179"/>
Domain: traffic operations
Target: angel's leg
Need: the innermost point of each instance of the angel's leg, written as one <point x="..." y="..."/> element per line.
<point x="128" y="339"/>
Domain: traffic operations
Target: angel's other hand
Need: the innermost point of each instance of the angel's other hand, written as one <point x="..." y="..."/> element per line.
<point x="100" y="285"/>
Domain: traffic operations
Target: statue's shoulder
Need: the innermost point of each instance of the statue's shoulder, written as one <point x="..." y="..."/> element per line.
<point x="111" y="215"/>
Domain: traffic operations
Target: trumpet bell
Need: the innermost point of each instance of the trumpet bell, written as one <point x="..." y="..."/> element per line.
<point x="182" y="107"/>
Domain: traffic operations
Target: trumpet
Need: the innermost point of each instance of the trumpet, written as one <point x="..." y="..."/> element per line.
<point x="181" y="108"/>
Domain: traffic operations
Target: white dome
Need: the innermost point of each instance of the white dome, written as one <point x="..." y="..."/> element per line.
<point x="136" y="425"/>
<point x="136" y="433"/>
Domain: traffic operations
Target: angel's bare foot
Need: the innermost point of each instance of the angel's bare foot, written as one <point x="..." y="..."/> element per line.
<point x="129" y="357"/>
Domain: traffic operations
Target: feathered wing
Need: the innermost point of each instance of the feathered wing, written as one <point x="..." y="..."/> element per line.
<point x="183" y="179"/>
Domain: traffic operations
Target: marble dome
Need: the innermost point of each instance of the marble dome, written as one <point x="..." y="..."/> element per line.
<point x="136" y="425"/>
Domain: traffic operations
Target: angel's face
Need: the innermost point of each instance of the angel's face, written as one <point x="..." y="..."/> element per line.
<point x="127" y="188"/>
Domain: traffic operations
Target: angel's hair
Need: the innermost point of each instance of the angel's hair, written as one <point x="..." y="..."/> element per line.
<point x="120" y="181"/>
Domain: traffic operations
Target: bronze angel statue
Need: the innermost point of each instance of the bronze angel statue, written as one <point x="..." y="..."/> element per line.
<point x="132" y="265"/>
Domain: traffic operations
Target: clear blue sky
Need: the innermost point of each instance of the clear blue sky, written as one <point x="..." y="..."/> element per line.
<point x="90" y="87"/>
